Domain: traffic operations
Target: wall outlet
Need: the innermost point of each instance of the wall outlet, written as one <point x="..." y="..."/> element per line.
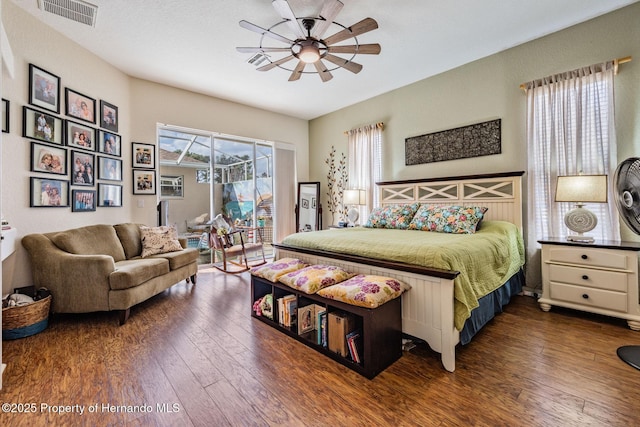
<point x="141" y="203"/>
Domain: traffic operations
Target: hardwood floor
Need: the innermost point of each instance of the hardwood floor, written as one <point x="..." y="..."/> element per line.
<point x="194" y="356"/>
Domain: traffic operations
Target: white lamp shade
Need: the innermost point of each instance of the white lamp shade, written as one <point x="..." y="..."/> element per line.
<point x="582" y="189"/>
<point x="354" y="197"/>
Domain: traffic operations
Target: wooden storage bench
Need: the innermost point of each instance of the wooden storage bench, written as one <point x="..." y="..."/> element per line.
<point x="380" y="341"/>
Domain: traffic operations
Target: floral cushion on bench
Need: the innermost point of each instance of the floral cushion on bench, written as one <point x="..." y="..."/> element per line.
<point x="315" y="277"/>
<point x="365" y="290"/>
<point x="274" y="270"/>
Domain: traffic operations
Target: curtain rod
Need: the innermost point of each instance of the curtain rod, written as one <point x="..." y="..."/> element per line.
<point x="379" y="125"/>
<point x="616" y="62"/>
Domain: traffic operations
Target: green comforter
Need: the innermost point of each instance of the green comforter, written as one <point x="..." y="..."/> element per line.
<point x="485" y="260"/>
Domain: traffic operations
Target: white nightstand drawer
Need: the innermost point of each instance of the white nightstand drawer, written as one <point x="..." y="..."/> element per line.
<point x="589" y="257"/>
<point x="611" y="280"/>
<point x="589" y="297"/>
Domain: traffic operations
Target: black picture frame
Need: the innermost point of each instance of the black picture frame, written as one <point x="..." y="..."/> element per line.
<point x="44" y="89"/>
<point x="109" y="169"/>
<point x="43" y="193"/>
<point x="143" y="155"/>
<point x="110" y="143"/>
<point x="5" y="115"/>
<point x="144" y="181"/>
<point x="109" y="195"/>
<point x="37" y="124"/>
<point x="48" y="159"/>
<point x="108" y="116"/>
<point x="83" y="200"/>
<point x="74" y="136"/>
<point x="80" y="106"/>
<point x="82" y="168"/>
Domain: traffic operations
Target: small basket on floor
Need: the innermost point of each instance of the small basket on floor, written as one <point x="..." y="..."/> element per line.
<point x="25" y="320"/>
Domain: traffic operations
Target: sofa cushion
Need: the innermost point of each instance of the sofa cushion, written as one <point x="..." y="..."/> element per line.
<point x="98" y="239"/>
<point x="179" y="258"/>
<point x="131" y="273"/>
<point x="159" y="240"/>
<point x="129" y="235"/>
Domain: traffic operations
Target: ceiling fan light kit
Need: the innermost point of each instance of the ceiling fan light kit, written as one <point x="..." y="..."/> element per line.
<point x="308" y="45"/>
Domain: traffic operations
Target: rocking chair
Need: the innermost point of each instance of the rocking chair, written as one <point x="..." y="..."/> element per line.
<point x="232" y="249"/>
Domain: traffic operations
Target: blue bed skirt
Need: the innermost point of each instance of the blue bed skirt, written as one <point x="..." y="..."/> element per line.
<point x="490" y="305"/>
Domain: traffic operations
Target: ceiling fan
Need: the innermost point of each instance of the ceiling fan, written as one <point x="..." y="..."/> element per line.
<point x="308" y="45"/>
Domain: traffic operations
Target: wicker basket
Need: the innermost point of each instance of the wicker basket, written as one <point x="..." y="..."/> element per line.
<point x="25" y="320"/>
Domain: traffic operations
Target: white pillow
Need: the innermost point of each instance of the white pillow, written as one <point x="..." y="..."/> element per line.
<point x="159" y="240"/>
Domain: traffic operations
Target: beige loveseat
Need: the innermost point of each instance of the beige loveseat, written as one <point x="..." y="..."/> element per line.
<point x="100" y="268"/>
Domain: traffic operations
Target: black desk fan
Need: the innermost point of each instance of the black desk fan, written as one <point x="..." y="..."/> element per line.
<point x="627" y="195"/>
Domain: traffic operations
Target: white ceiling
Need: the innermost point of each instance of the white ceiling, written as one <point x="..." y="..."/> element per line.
<point x="190" y="44"/>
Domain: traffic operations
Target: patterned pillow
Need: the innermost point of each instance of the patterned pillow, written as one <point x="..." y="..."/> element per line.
<point x="274" y="270"/>
<point x="159" y="240"/>
<point x="366" y="290"/>
<point x="315" y="277"/>
<point x="392" y="216"/>
<point x="448" y="219"/>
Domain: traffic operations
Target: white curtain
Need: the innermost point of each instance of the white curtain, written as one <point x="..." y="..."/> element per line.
<point x="570" y="129"/>
<point x="284" y="183"/>
<point x="365" y="164"/>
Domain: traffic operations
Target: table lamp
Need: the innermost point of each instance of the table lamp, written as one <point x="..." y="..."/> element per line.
<point x="581" y="189"/>
<point x="354" y="198"/>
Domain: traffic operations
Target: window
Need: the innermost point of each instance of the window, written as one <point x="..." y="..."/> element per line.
<point x="171" y="187"/>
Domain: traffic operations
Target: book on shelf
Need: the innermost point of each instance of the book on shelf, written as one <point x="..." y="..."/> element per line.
<point x="284" y="304"/>
<point x="322" y="330"/>
<point x="352" y="343"/>
<point x="308" y="317"/>
<point x="290" y="311"/>
<point x="339" y="324"/>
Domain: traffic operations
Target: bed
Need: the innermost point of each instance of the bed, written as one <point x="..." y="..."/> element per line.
<point x="443" y="307"/>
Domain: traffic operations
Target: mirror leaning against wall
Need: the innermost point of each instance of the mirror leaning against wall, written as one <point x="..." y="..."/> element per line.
<point x="308" y="208"/>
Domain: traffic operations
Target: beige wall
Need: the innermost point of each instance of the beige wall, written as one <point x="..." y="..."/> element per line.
<point x="141" y="106"/>
<point x="195" y="201"/>
<point x="488" y="89"/>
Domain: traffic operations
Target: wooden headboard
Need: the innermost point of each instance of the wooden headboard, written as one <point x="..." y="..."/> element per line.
<point x="500" y="192"/>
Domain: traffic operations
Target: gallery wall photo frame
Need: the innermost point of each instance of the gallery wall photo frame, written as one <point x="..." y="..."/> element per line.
<point x="144" y="181"/>
<point x="109" y="169"/>
<point x="144" y="155"/>
<point x="109" y="143"/>
<point x="44" y="89"/>
<point x="83" y="200"/>
<point x="83" y="171"/>
<point x="5" y="115"/>
<point x="42" y="126"/>
<point x="80" y="136"/>
<point x="48" y="159"/>
<point x="108" y="116"/>
<point x="109" y="195"/>
<point x="48" y="193"/>
<point x="80" y="106"/>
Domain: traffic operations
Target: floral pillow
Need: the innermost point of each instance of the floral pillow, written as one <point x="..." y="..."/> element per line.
<point x="315" y="277"/>
<point x="448" y="219"/>
<point x="274" y="270"/>
<point x="393" y="216"/>
<point x="366" y="290"/>
<point x="159" y="240"/>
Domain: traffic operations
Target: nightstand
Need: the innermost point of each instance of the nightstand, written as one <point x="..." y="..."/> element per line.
<point x="600" y="277"/>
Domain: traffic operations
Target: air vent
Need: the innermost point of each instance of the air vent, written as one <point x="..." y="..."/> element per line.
<point x="76" y="10"/>
<point x="257" y="59"/>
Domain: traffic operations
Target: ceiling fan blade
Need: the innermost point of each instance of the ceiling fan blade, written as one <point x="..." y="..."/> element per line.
<point x="330" y="10"/>
<point x="262" y="49"/>
<point x="324" y="74"/>
<point x="297" y="72"/>
<point x="284" y="10"/>
<point x="366" y="25"/>
<point x="274" y="64"/>
<point x="253" y="27"/>
<point x="371" y="49"/>
<point x="354" y="67"/>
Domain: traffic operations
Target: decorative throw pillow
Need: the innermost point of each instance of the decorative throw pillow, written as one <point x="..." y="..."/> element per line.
<point x="448" y="219"/>
<point x="274" y="270"/>
<point x="365" y="290"/>
<point x="392" y="216"/>
<point x="159" y="240"/>
<point x="315" y="277"/>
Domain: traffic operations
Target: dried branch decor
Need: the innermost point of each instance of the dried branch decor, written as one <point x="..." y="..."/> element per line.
<point x="337" y="179"/>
